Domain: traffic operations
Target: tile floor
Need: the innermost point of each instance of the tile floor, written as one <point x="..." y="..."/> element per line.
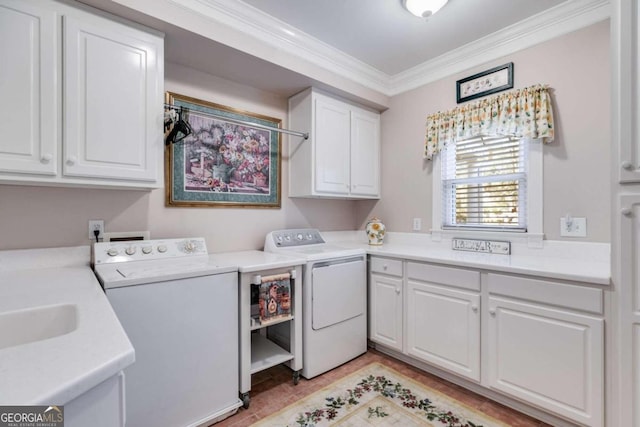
<point x="273" y="389"/>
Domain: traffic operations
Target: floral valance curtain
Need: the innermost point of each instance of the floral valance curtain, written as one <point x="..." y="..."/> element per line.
<point x="521" y="113"/>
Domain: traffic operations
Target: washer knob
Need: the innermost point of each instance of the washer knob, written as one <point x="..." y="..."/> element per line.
<point x="146" y="249"/>
<point x="112" y="252"/>
<point x="299" y="236"/>
<point x="189" y="247"/>
<point x="130" y="250"/>
<point x="162" y="248"/>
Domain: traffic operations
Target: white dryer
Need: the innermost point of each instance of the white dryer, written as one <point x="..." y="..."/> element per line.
<point x="334" y="298"/>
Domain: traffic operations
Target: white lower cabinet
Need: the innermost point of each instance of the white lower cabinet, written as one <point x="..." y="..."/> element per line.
<point x="547" y="356"/>
<point x="386" y="302"/>
<point x="385" y="310"/>
<point x="102" y="406"/>
<point x="443" y="317"/>
<point x="542" y="340"/>
<point x="443" y="327"/>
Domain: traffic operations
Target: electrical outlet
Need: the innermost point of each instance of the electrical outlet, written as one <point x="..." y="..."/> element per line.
<point x="573" y="227"/>
<point x="417" y="224"/>
<point x="96" y="224"/>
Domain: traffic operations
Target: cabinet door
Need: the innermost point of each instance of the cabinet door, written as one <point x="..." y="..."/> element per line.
<point x="113" y="100"/>
<point x="548" y="357"/>
<point x="102" y="406"/>
<point x="626" y="77"/>
<point x="443" y="327"/>
<point x="365" y="153"/>
<point x="332" y="133"/>
<point x="385" y="311"/>
<point x="28" y="82"/>
<point x="628" y="258"/>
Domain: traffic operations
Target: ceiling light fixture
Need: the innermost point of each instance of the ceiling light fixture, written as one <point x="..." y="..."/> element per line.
<point x="423" y="8"/>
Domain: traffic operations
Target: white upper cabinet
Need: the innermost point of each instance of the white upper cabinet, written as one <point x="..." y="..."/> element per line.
<point x="109" y="78"/>
<point x="332" y="139"/>
<point x="626" y="114"/>
<point x="341" y="158"/>
<point x="28" y="84"/>
<point x="365" y="153"/>
<point x="113" y="98"/>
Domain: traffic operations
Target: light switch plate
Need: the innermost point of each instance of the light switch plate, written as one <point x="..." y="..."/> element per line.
<point x="575" y="227"/>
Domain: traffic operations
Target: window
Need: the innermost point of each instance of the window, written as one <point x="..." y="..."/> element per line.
<point x="484" y="184"/>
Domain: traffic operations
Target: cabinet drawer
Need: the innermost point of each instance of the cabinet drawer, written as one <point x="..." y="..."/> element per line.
<point x="559" y="294"/>
<point x="459" y="277"/>
<point x="392" y="267"/>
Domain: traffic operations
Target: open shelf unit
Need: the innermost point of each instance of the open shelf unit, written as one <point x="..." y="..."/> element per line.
<point x="269" y="343"/>
<point x="266" y="353"/>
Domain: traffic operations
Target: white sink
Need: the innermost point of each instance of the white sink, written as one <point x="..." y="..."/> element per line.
<point x="36" y="324"/>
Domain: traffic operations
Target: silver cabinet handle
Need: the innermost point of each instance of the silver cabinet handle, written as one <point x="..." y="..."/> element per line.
<point x="46" y="158"/>
<point x="71" y="160"/>
<point x="627" y="165"/>
<point x="385" y="266"/>
<point x="492" y="312"/>
<point x="398" y="291"/>
<point x="626" y="211"/>
<point x="474" y="308"/>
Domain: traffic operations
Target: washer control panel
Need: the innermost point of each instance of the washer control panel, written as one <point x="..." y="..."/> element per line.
<point x="141" y="250"/>
<point x="294" y="237"/>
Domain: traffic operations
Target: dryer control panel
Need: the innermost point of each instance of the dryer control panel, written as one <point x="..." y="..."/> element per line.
<point x="293" y="237"/>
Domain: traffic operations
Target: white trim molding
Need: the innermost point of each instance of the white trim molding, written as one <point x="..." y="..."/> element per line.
<point x="277" y="34"/>
<point x="557" y="21"/>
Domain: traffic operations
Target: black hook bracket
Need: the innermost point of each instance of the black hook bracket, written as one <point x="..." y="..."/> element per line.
<point x="179" y="128"/>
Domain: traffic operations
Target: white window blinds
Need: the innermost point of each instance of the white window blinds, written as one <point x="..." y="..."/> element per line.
<point x="484" y="183"/>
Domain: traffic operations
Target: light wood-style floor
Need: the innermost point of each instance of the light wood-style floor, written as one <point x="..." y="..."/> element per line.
<point x="273" y="389"/>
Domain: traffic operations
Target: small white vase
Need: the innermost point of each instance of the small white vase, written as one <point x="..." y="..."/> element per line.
<point x="375" y="231"/>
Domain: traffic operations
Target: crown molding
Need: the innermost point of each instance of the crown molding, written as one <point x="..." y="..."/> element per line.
<point x="282" y="37"/>
<point x="557" y="21"/>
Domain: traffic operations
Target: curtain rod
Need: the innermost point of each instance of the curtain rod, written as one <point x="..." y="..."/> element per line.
<point x="304" y="135"/>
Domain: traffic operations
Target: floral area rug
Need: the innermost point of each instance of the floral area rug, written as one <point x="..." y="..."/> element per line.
<point x="377" y="395"/>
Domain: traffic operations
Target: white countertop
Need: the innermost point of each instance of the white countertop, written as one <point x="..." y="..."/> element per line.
<point x="57" y="370"/>
<point x="254" y="261"/>
<point x="581" y="262"/>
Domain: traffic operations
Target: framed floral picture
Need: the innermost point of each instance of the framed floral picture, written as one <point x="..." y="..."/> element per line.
<point x="222" y="162"/>
<point x="485" y="83"/>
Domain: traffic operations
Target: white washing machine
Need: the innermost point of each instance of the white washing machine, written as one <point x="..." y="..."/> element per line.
<point x="180" y="311"/>
<point x="334" y="298"/>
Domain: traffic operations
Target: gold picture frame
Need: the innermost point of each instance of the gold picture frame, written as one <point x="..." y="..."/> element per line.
<point x="222" y="163"/>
